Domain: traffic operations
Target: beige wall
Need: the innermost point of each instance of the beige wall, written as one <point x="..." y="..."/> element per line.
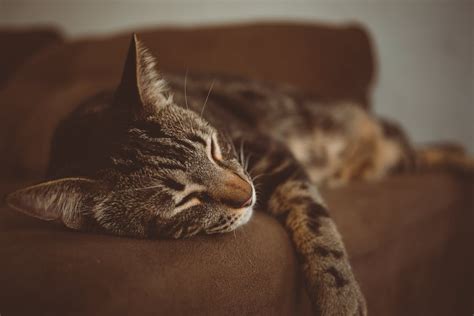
<point x="425" y="47"/>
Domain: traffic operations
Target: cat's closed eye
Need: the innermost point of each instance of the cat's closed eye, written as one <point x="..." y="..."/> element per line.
<point x="187" y="198"/>
<point x="215" y="153"/>
<point x="215" y="149"/>
<point x="199" y="196"/>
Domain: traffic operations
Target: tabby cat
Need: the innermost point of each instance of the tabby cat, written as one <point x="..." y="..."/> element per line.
<point x="174" y="158"/>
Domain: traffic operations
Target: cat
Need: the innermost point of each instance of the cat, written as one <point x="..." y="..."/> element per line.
<point x="170" y="157"/>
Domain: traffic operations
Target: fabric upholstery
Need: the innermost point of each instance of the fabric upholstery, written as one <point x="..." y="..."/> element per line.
<point x="18" y="45"/>
<point x="409" y="237"/>
<point x="327" y="61"/>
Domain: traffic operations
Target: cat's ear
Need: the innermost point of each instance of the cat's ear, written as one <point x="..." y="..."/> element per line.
<point x="141" y="87"/>
<point x="65" y="200"/>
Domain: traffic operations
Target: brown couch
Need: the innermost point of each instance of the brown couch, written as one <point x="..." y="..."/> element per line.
<point x="409" y="237"/>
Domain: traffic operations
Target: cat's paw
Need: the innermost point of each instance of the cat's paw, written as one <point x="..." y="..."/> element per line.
<point x="335" y="292"/>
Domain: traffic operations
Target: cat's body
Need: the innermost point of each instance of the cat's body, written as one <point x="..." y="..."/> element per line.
<point x="254" y="120"/>
<point x="149" y="161"/>
<point x="335" y="141"/>
<point x="324" y="136"/>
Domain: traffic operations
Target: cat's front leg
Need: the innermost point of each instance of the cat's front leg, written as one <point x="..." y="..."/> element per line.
<point x="328" y="275"/>
<point x="287" y="194"/>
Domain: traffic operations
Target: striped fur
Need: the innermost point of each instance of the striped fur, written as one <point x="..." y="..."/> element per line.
<point x="287" y="193"/>
<point x="170" y="156"/>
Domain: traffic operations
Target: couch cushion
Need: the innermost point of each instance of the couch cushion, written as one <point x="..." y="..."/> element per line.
<point x="409" y="239"/>
<point x="47" y="268"/>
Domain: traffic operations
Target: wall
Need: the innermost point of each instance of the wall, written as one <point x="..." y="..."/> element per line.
<point x="425" y="47"/>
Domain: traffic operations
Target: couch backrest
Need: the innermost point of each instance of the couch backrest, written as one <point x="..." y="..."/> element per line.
<point x="328" y="61"/>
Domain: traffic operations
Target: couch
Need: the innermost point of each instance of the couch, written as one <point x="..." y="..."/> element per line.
<point x="409" y="236"/>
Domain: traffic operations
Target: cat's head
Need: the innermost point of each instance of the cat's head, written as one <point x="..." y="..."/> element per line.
<point x="172" y="175"/>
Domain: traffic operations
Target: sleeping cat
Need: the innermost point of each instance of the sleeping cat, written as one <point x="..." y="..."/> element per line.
<point x="174" y="157"/>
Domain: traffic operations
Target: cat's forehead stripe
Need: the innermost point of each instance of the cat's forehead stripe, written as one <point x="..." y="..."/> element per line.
<point x="173" y="184"/>
<point x="197" y="139"/>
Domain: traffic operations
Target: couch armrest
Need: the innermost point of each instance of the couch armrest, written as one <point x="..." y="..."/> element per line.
<point x="410" y="239"/>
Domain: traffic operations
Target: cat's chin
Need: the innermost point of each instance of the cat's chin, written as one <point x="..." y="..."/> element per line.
<point x="243" y="219"/>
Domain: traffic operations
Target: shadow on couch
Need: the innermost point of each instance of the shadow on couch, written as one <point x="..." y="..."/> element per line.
<point x="409" y="237"/>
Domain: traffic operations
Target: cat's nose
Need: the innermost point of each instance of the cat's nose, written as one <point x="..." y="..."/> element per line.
<point x="234" y="191"/>
<point x="249" y="202"/>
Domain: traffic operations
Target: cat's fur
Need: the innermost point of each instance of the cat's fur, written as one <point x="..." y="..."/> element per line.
<point x="183" y="156"/>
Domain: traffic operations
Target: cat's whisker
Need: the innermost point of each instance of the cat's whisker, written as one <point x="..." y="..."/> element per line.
<point x="139" y="189"/>
<point x="207" y="97"/>
<point x="229" y="140"/>
<point x="244" y="232"/>
<point x="185" y="89"/>
<point x="258" y="176"/>
<point x="242" y="152"/>
<point x="246" y="165"/>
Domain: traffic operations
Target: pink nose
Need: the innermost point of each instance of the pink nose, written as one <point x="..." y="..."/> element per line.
<point x="248" y="203"/>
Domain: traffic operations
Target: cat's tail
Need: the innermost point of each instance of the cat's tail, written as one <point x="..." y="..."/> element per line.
<point x="444" y="156"/>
